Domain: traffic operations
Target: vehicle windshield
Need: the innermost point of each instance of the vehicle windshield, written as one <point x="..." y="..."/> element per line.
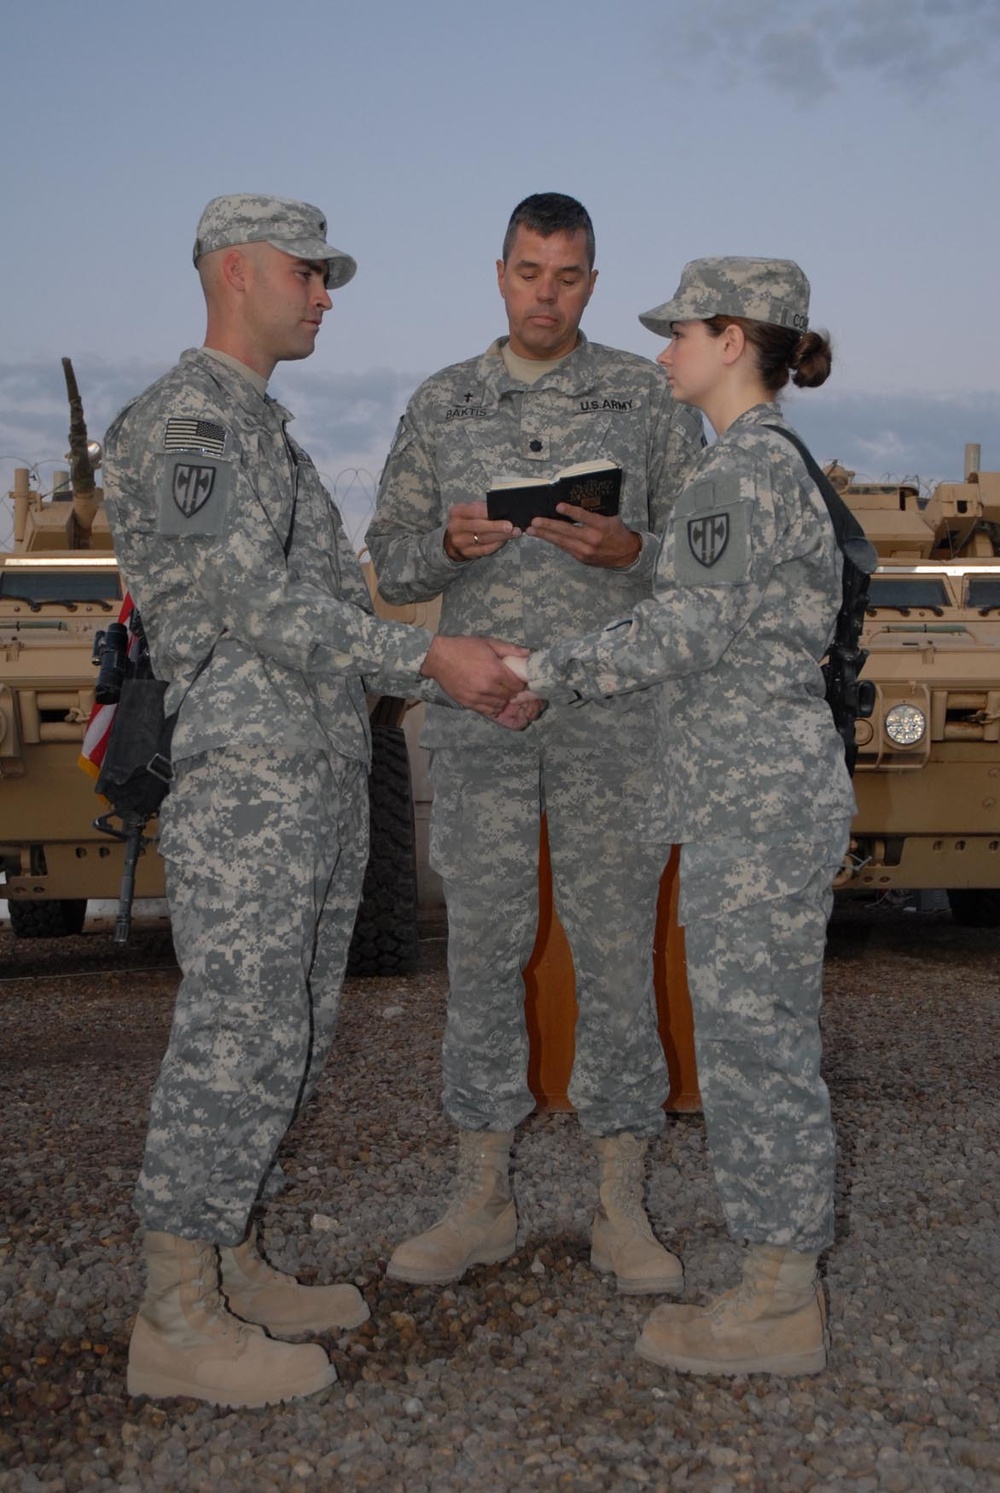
<point x="984" y="591"/>
<point x="60" y="585"/>
<point x="903" y="592"/>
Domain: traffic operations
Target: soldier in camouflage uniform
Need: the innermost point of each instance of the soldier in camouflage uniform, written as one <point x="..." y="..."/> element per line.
<point x="257" y="614"/>
<point x="753" y="785"/>
<point x="534" y="402"/>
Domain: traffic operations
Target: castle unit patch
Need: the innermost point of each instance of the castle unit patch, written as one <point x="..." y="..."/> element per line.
<point x="193" y="497"/>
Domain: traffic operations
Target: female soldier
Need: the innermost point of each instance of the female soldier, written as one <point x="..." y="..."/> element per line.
<point x="754" y="787"/>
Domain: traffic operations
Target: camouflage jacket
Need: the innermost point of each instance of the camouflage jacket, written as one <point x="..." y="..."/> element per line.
<point x="747" y="591"/>
<point x="227" y="537"/>
<point x="472" y="424"/>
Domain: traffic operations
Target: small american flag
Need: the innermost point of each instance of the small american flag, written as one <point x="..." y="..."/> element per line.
<point x="183" y="434"/>
<point x="95" y="740"/>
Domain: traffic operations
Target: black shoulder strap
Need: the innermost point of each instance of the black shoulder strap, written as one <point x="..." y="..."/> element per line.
<point x="850" y="535"/>
<point x="848" y="696"/>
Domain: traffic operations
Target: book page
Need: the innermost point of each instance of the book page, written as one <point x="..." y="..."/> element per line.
<point x="502" y="483"/>
<point x="580" y="467"/>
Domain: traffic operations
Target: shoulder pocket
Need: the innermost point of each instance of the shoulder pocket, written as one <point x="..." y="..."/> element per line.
<point x="711" y="525"/>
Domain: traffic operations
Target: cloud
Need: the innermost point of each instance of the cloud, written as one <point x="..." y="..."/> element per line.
<point x="889" y="437"/>
<point x="346" y="423"/>
<point x="34" y="410"/>
<point x="804" y="48"/>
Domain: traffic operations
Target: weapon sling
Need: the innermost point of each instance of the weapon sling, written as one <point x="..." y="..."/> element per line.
<point x="847" y="695"/>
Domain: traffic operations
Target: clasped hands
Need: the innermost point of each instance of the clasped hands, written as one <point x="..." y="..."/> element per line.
<point x="486" y="675"/>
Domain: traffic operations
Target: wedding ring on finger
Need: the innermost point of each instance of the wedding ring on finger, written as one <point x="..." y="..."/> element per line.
<point x="475" y="538"/>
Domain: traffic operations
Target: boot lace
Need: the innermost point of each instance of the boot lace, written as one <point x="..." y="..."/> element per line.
<point x="624" y="1185"/>
<point x="731" y="1302"/>
<point x="210" y="1301"/>
<point x="475" y="1173"/>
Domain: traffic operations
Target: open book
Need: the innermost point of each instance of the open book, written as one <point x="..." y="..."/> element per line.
<point x="593" y="485"/>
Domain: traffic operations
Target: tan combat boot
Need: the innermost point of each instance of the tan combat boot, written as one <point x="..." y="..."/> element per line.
<point x="185" y="1342"/>
<point x="480" y="1226"/>
<point x="258" y="1293"/>
<point x="622" y="1239"/>
<point x="774" y="1322"/>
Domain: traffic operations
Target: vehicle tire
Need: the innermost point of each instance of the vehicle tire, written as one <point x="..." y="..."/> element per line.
<point x="975" y="907"/>
<point x="385" y="940"/>
<point x="56" y="918"/>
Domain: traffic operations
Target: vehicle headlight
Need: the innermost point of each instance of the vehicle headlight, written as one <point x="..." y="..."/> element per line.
<point x="905" y="724"/>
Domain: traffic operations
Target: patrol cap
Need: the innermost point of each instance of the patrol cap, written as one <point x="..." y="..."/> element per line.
<point x="293" y="227"/>
<point x="771" y="290"/>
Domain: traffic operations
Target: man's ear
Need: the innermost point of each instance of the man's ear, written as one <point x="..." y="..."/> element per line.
<point x="236" y="269"/>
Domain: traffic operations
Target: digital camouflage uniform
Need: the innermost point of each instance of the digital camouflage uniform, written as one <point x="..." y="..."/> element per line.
<point x="228" y="541"/>
<point x="752" y="782"/>
<point x="587" y="766"/>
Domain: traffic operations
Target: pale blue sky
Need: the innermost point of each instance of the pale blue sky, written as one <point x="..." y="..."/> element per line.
<point x="860" y="138"/>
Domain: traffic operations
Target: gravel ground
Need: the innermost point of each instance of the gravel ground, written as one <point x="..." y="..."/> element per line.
<point x="521" y="1376"/>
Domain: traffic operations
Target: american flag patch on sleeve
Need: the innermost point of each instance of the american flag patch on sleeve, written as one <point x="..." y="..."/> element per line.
<point x="187" y="434"/>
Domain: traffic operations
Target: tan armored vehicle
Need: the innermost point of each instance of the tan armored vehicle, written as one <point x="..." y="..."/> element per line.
<point x="59" y="587"/>
<point x="928" y="770"/>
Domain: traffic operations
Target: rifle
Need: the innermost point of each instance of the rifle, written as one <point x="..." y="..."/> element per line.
<point x="849" y="697"/>
<point x="136" y="772"/>
<point x="133" y="825"/>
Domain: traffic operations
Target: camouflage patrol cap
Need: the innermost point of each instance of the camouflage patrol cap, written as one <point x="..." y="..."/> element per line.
<point x="293" y="227"/>
<point x="771" y="290"/>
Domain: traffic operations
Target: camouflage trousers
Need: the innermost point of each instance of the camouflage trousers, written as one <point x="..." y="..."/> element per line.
<point x="265" y="853"/>
<point x="484" y="842"/>
<point x="755" y="973"/>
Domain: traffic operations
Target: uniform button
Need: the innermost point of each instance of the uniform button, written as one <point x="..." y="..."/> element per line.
<point x="534" y="445"/>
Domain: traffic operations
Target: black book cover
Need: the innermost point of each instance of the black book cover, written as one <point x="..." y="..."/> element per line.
<point x="594" y="486"/>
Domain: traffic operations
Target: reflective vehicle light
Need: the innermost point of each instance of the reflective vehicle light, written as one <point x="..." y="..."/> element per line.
<point x="905" y="725"/>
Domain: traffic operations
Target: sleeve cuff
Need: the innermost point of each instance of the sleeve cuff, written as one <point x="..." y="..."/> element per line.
<point x="645" y="560"/>
<point x="546" y="683"/>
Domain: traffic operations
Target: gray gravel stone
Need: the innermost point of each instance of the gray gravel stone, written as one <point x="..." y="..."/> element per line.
<point x="521" y="1376"/>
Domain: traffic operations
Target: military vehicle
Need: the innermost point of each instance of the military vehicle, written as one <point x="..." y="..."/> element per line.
<point x="927" y="778"/>
<point x="60" y="587"/>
